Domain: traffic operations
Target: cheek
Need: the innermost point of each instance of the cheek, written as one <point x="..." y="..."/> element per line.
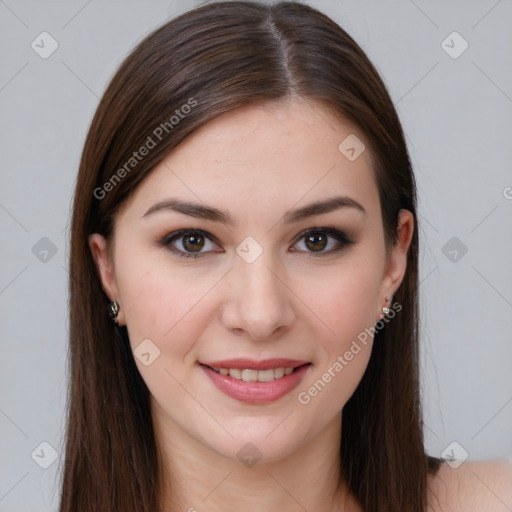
<point x="345" y="303"/>
<point x="146" y="299"/>
<point x="162" y="304"/>
<point x="346" y="309"/>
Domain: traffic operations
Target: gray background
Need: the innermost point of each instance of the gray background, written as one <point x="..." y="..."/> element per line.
<point x="457" y="115"/>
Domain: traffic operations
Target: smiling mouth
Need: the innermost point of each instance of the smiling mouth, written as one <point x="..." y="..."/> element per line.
<point x="248" y="375"/>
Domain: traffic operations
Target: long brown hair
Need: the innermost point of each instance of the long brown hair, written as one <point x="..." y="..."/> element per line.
<point x="216" y="58"/>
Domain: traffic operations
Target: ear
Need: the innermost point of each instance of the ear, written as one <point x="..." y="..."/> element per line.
<point x="397" y="261"/>
<point x="104" y="265"/>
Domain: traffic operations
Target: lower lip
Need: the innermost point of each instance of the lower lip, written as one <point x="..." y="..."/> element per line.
<point x="256" y="392"/>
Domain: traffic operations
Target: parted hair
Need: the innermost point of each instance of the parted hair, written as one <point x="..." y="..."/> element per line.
<point x="225" y="55"/>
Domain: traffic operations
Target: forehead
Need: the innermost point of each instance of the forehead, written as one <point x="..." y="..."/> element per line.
<point x="255" y="157"/>
<point x="270" y="131"/>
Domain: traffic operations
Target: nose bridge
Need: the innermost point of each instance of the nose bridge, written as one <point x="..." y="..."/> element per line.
<point x="253" y="265"/>
<point x="262" y="302"/>
<point x="259" y="281"/>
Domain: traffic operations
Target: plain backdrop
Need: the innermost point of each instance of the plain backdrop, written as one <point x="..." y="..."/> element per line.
<point x="453" y="93"/>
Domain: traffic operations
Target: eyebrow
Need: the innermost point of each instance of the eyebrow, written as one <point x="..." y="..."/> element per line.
<point x="210" y="213"/>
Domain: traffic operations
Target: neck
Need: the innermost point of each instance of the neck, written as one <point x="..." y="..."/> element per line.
<point x="197" y="478"/>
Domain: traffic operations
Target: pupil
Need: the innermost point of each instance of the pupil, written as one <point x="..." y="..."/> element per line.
<point x="194" y="244"/>
<point x="314" y="239"/>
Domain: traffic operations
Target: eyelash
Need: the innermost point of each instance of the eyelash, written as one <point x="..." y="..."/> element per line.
<point x="338" y="235"/>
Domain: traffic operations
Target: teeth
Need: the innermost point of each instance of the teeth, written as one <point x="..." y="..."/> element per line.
<point x="255" y="375"/>
<point x="278" y="373"/>
<point x="264" y="375"/>
<point x="235" y="373"/>
<point x="251" y="375"/>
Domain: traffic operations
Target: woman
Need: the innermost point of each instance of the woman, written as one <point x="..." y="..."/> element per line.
<point x="246" y="210"/>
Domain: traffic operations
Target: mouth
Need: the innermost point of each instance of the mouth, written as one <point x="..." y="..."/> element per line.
<point x="251" y="375"/>
<point x="255" y="382"/>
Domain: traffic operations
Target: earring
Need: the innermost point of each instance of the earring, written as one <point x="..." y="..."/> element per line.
<point x="113" y="310"/>
<point x="385" y="309"/>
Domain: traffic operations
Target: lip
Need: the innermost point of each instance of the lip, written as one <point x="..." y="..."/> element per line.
<point x="251" y="364"/>
<point x="256" y="392"/>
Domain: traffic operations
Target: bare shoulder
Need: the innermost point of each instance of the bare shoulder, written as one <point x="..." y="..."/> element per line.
<point x="475" y="486"/>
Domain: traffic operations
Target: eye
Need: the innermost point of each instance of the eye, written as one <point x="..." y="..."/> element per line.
<point x="192" y="240"/>
<point x="317" y="239"/>
<point x="188" y="243"/>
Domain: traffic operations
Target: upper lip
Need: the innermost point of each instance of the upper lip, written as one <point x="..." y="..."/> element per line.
<point x="251" y="364"/>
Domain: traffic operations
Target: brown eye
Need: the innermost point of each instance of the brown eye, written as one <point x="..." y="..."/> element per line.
<point x="189" y="243"/>
<point x="316" y="242"/>
<point x="193" y="242"/>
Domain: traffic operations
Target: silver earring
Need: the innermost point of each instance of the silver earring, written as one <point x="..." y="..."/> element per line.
<point x="113" y="310"/>
<point x="385" y="309"/>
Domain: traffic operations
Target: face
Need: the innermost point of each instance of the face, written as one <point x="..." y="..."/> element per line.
<point x="279" y="286"/>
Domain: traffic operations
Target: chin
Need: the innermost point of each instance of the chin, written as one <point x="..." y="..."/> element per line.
<point x="259" y="443"/>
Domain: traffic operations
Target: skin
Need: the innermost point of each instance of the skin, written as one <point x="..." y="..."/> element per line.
<point x="475" y="486"/>
<point x="256" y="163"/>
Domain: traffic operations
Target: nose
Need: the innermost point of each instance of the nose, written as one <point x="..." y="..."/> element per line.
<point x="259" y="302"/>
